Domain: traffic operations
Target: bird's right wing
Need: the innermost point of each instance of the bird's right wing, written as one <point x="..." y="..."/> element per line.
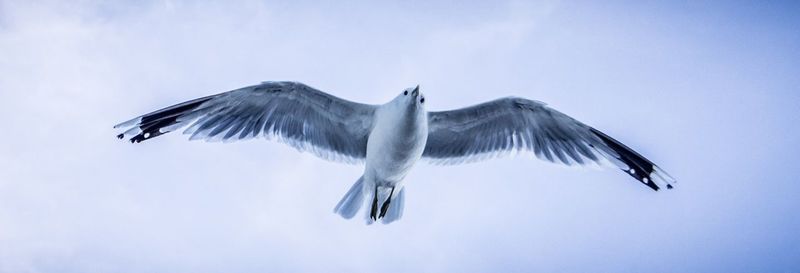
<point x="504" y="125"/>
<point x="294" y="113"/>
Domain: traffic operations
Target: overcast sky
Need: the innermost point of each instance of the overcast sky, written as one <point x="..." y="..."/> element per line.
<point x="708" y="91"/>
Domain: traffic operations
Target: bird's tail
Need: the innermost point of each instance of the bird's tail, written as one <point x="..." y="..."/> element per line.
<point x="395" y="210"/>
<point x="384" y="204"/>
<point x="352" y="200"/>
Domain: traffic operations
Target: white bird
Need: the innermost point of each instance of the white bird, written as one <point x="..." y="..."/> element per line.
<point x="392" y="137"/>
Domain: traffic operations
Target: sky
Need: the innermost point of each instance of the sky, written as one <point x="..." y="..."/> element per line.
<point x="708" y="90"/>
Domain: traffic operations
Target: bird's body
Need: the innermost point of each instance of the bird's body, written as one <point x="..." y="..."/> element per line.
<point x="391" y="138"/>
<point x="395" y="144"/>
<point x="396" y="141"/>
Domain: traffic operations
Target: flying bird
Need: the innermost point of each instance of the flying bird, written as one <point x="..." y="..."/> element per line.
<point x="391" y="138"/>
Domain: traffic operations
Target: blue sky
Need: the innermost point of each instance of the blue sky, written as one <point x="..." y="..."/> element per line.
<point x="707" y="90"/>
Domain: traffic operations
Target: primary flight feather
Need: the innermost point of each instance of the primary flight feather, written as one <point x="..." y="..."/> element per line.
<point x="392" y="137"/>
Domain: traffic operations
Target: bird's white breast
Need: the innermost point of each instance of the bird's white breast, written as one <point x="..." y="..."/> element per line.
<point x="396" y="142"/>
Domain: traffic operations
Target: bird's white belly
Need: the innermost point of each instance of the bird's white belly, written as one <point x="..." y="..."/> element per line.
<point x="389" y="165"/>
<point x="392" y="151"/>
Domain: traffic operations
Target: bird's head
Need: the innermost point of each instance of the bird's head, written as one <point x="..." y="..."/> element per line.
<point x="413" y="97"/>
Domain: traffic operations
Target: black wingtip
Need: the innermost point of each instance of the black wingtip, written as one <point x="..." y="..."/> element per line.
<point x="138" y="138"/>
<point x="648" y="182"/>
<point x="640" y="167"/>
<point x="150" y="125"/>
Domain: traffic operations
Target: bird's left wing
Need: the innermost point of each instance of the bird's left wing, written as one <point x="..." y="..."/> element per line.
<point x="504" y="125"/>
<point x="294" y="113"/>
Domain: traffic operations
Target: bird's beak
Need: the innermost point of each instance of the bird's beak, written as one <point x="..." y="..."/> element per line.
<point x="416" y="91"/>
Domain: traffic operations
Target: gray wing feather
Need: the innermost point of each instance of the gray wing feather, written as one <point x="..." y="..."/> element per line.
<point x="511" y="124"/>
<point x="291" y="112"/>
<point x="502" y="126"/>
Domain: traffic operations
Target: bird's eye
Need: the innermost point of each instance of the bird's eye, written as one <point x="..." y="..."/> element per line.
<point x="405" y="92"/>
<point x="422" y="100"/>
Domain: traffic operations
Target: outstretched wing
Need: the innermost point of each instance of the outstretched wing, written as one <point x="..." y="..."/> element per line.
<point x="504" y="125"/>
<point x="294" y="113"/>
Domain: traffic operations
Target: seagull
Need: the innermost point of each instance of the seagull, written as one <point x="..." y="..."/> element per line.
<point x="390" y="138"/>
